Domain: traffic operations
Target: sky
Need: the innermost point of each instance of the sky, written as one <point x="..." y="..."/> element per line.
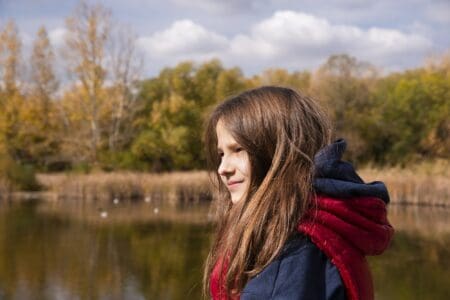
<point x="257" y="35"/>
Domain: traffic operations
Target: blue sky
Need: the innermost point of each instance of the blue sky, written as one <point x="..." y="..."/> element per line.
<point x="256" y="35"/>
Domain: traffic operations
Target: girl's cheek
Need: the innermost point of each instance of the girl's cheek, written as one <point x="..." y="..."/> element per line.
<point x="245" y="164"/>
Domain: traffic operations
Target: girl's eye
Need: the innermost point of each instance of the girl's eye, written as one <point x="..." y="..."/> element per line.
<point x="239" y="149"/>
<point x="220" y="154"/>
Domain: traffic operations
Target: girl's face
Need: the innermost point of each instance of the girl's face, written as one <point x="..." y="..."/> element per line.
<point x="234" y="168"/>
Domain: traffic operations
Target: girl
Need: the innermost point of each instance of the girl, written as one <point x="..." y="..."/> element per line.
<point x="295" y="222"/>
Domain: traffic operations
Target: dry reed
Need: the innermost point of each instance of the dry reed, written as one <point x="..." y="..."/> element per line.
<point x="176" y="187"/>
<point x="423" y="184"/>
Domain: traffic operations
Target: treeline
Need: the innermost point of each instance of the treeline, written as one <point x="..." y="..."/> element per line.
<point x="94" y="109"/>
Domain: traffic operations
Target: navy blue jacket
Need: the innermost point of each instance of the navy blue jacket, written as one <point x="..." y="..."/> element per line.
<point x="302" y="271"/>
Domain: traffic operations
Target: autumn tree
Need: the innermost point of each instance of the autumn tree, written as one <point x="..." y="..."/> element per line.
<point x="411" y="120"/>
<point x="10" y="49"/>
<point x="102" y="60"/>
<point x="125" y="73"/>
<point x="13" y="155"/>
<point x="437" y="82"/>
<point x="11" y="100"/>
<point x="40" y="118"/>
<point x="205" y="80"/>
<point x="88" y="30"/>
<point x="277" y="76"/>
<point x="230" y="82"/>
<point x="344" y="85"/>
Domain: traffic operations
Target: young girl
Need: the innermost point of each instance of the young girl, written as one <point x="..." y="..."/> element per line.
<point x="295" y="222"/>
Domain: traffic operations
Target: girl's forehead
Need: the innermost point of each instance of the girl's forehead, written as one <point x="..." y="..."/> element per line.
<point x="224" y="136"/>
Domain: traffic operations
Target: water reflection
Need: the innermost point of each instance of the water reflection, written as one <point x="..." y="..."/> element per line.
<point x="51" y="256"/>
<point x="67" y="250"/>
<point x="417" y="265"/>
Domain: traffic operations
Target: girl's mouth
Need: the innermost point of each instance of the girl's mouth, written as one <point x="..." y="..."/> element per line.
<point x="233" y="183"/>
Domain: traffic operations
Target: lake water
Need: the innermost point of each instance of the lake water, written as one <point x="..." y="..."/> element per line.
<point x="139" y="250"/>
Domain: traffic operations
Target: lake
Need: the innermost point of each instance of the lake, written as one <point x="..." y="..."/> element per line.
<point x="142" y="250"/>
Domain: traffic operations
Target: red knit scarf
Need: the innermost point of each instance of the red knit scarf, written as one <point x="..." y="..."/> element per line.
<point x="346" y="231"/>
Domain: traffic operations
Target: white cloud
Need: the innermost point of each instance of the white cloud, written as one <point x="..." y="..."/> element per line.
<point x="302" y="40"/>
<point x="57" y="36"/>
<point x="184" y="39"/>
<point x="287" y="39"/>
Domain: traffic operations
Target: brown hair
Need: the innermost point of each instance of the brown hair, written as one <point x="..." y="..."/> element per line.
<point x="281" y="130"/>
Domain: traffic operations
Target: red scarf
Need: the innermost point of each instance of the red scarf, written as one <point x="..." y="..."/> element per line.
<point x="346" y="231"/>
<point x="217" y="282"/>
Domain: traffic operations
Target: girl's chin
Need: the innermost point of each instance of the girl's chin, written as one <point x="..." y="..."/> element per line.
<point x="236" y="198"/>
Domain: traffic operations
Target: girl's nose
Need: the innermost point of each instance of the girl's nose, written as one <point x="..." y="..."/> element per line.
<point x="225" y="167"/>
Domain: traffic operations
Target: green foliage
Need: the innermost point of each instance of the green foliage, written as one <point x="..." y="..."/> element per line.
<point x="20" y="177"/>
<point x="169" y="140"/>
<point x="82" y="167"/>
<point x="229" y="82"/>
<point x="281" y="77"/>
<point x="174" y="106"/>
<point x="411" y="117"/>
<point x="121" y="160"/>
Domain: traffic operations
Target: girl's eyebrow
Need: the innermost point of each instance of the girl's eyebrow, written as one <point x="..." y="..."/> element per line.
<point x="229" y="146"/>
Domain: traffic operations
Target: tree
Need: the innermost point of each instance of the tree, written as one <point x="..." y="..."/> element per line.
<point x="12" y="148"/>
<point x="88" y="30"/>
<point x="39" y="119"/>
<point x="230" y="82"/>
<point x="174" y="107"/>
<point x="101" y="57"/>
<point x="411" y="119"/>
<point x="125" y="72"/>
<point x="11" y="100"/>
<point x="169" y="141"/>
<point x="44" y="82"/>
<point x="10" y="50"/>
<point x="297" y="80"/>
<point x="343" y="84"/>
<point x="437" y="84"/>
<point x="205" y="81"/>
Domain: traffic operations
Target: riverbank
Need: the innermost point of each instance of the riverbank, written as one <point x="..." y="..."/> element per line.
<point x="421" y="184"/>
<point x="170" y="188"/>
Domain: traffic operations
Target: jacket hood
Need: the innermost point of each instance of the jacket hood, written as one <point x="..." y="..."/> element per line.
<point x="348" y="220"/>
<point x="337" y="178"/>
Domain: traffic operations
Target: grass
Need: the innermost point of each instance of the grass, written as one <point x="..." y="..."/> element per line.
<point x="176" y="187"/>
<point x="422" y="184"/>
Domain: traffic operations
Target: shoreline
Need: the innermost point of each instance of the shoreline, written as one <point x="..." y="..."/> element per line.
<point x="422" y="185"/>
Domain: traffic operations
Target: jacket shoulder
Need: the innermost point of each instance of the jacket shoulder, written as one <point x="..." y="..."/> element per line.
<point x="302" y="271"/>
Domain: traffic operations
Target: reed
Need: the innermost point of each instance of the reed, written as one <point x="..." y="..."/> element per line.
<point x="422" y="184"/>
<point x="172" y="188"/>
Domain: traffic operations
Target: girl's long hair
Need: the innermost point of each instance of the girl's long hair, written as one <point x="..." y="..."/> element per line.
<point x="281" y="130"/>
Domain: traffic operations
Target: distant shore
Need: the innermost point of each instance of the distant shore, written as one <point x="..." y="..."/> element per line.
<point x="420" y="184"/>
<point x="425" y="184"/>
